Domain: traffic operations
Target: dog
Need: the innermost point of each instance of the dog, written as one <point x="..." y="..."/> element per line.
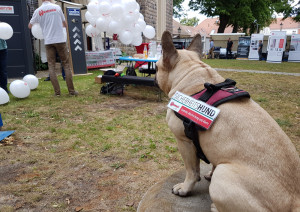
<point x="256" y="166"/>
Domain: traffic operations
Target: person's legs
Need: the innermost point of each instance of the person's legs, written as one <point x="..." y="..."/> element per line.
<point x="51" y="58"/>
<point x="64" y="57"/>
<point x="3" y="71"/>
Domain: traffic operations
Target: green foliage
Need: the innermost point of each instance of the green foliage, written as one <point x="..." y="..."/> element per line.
<point x="241" y="14"/>
<point x="39" y="65"/>
<point x="177" y="8"/>
<point x="294" y="12"/>
<point x="190" y="21"/>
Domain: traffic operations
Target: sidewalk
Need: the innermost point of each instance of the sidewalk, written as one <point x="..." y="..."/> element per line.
<point x="259" y="72"/>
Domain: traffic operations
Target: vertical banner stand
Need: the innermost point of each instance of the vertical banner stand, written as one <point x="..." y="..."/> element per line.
<point x="75" y="40"/>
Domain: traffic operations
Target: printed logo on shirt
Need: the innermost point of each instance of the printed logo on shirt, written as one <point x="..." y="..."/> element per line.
<point x="42" y="12"/>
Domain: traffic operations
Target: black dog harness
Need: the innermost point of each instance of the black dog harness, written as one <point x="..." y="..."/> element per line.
<point x="213" y="95"/>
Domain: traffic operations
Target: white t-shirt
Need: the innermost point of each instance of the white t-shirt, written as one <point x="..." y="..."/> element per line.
<point x="50" y="17"/>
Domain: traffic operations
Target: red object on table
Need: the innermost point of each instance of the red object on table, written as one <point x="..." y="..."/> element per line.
<point x="140" y="50"/>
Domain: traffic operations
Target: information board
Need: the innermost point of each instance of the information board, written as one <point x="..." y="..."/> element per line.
<point x="276" y="46"/>
<point x="254" y="46"/>
<point x="294" y="54"/>
<point x="75" y="40"/>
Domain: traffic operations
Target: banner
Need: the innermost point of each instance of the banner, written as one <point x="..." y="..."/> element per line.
<point x="276" y="46"/>
<point x="294" y="54"/>
<point x="254" y="46"/>
<point x="243" y="48"/>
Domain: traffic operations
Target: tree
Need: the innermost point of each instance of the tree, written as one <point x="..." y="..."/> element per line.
<point x="241" y="14"/>
<point x="190" y="21"/>
<point x="177" y="8"/>
<point x="294" y="12"/>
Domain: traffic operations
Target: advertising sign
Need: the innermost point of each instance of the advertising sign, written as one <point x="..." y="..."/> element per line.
<point x="76" y="42"/>
<point x="193" y="109"/>
<point x="254" y="46"/>
<point x="6" y="9"/>
<point x="276" y="46"/>
<point x="243" y="48"/>
<point x="294" y="54"/>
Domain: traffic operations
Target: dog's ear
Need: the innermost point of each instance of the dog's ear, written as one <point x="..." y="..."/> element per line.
<point x="196" y="44"/>
<point x="169" y="51"/>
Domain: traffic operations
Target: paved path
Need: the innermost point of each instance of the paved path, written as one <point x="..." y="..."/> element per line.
<point x="259" y="72"/>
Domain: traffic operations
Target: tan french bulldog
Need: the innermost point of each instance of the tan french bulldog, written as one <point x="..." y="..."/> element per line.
<point x="257" y="168"/>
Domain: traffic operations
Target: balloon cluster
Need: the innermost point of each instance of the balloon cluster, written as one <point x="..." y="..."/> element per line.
<point x="20" y="88"/>
<point x="6" y="31"/>
<point x="120" y="17"/>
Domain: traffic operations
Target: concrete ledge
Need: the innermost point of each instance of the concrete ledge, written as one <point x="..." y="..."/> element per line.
<point x="159" y="198"/>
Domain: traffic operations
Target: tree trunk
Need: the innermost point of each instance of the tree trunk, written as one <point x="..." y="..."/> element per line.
<point x="224" y="19"/>
<point x="235" y="28"/>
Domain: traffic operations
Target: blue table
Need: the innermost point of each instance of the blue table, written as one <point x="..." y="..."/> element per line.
<point x="151" y="64"/>
<point x="151" y="60"/>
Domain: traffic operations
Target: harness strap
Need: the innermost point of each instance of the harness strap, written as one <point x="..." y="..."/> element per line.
<point x="213" y="95"/>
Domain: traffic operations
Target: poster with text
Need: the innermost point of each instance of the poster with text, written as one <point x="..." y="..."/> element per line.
<point x="276" y="46"/>
<point x="294" y="54"/>
<point x="254" y="46"/>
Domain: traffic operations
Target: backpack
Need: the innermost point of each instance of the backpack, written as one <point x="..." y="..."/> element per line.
<point x="112" y="88"/>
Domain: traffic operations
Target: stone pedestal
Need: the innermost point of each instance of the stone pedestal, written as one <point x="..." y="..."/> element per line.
<point x="159" y="198"/>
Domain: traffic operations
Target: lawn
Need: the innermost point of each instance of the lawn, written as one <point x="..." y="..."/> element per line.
<point x="101" y="153"/>
<point x="254" y="65"/>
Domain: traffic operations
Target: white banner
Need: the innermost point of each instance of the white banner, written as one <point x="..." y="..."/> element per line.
<point x="254" y="46"/>
<point x="294" y="54"/>
<point x="276" y="46"/>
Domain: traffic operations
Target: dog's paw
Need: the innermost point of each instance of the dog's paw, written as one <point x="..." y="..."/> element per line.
<point x="180" y="190"/>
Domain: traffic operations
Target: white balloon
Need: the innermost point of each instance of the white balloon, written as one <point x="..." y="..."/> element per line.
<point x="129" y="5"/>
<point x="31" y="80"/>
<point x="142" y="24"/>
<point x="136" y="15"/>
<point x="91" y="18"/>
<point x="127" y="20"/>
<point x="104" y="8"/>
<point x="125" y="37"/>
<point x="19" y="89"/>
<point x="116" y="11"/>
<point x="115" y="27"/>
<point x="37" y="32"/>
<point x="6" y="31"/>
<point x="137" y="7"/>
<point x="149" y="32"/>
<point x="91" y="31"/>
<point x="93" y="7"/>
<point x="141" y="16"/>
<point x="136" y="30"/>
<point x="4" y="98"/>
<point x="102" y="24"/>
<point x="137" y="41"/>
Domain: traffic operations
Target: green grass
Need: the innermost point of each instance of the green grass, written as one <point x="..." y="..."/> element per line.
<point x="253" y="65"/>
<point x="106" y="150"/>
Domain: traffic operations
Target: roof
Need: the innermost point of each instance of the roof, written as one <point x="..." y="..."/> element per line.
<point x="288" y="23"/>
<point x="210" y="26"/>
<point x="186" y="31"/>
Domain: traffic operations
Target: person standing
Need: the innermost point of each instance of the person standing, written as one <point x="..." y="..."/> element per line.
<point x="3" y="64"/>
<point x="52" y="21"/>
<point x="229" y="49"/>
<point x="211" y="49"/>
<point x="260" y="47"/>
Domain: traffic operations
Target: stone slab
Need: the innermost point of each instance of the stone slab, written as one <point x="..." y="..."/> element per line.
<point x="159" y="197"/>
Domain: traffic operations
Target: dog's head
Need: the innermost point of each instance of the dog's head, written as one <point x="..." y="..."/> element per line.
<point x="175" y="64"/>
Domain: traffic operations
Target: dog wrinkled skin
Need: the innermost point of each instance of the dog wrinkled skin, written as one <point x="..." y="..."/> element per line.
<point x="257" y="168"/>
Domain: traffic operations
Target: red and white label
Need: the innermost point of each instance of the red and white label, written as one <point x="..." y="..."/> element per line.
<point x="193" y="109"/>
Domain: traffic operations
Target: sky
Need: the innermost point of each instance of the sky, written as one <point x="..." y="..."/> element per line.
<point x="201" y="17"/>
